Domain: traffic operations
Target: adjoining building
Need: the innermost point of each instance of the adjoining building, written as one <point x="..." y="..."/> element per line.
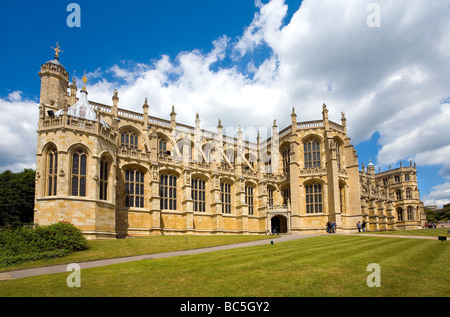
<point x="116" y="173"/>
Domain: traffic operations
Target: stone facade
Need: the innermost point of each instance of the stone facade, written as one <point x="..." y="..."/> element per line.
<point x="125" y="173"/>
<point x="390" y="200"/>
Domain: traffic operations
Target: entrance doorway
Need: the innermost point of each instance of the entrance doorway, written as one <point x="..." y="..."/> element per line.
<point x="279" y="224"/>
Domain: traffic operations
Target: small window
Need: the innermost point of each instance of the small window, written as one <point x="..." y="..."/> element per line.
<point x="270" y="196"/>
<point x="268" y="166"/>
<point x="162" y="148"/>
<point x="408" y="194"/>
<point x="399" y="214"/>
<point x="410" y="213"/>
<point x="286" y="160"/>
<point x="338" y="155"/>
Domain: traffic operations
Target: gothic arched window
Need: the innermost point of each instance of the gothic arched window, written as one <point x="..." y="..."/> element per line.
<point x="162" y="148"/>
<point x="249" y="199"/>
<point x="311" y="150"/>
<point x="168" y="192"/>
<point x="313" y="198"/>
<point x="52" y="169"/>
<point x="399" y="214"/>
<point x="79" y="173"/>
<point x="198" y="193"/>
<point x="225" y="195"/>
<point x="129" y="140"/>
<point x="286" y="159"/>
<point x="410" y="213"/>
<point x="134" y="188"/>
<point x="104" y="173"/>
<point x="408" y="193"/>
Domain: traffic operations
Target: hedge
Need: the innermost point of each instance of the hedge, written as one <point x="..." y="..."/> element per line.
<point x="42" y="242"/>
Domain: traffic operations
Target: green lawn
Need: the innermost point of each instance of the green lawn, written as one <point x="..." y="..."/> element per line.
<point x="329" y="265"/>
<point x="416" y="232"/>
<point x="107" y="249"/>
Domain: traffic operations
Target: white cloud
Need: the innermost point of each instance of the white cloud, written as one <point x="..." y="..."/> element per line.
<point x="426" y="143"/>
<point x="389" y="79"/>
<point x="440" y="195"/>
<point x="264" y="28"/>
<point x="18" y="125"/>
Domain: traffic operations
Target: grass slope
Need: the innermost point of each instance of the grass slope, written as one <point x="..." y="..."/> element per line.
<point x="107" y="249"/>
<point x="435" y="232"/>
<point x="320" y="266"/>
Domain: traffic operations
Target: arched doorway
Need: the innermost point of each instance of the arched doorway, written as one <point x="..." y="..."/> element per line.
<point x="279" y="224"/>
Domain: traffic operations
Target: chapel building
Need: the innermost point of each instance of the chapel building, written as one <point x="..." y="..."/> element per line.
<point x="116" y="173"/>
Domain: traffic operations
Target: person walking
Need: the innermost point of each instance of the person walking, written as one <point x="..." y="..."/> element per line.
<point x="363" y="226"/>
<point x="359" y="226"/>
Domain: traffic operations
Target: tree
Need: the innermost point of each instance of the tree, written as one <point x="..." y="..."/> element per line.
<point x="438" y="215"/>
<point x="17" y="197"/>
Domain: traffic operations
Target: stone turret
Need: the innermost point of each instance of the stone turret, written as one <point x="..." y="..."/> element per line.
<point x="54" y="83"/>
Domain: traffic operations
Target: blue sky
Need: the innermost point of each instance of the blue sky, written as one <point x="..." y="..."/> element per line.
<point x="111" y="32"/>
<point x="224" y="58"/>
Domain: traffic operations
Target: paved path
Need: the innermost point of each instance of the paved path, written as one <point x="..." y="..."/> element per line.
<point x="83" y="265"/>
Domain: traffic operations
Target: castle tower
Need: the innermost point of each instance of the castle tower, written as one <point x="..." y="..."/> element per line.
<point x="54" y="83"/>
<point x="75" y="158"/>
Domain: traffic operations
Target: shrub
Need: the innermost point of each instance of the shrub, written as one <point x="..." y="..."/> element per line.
<point x="43" y="242"/>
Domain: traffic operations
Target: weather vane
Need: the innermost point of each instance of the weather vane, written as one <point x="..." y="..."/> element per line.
<point x="57" y="50"/>
<point x="84" y="79"/>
